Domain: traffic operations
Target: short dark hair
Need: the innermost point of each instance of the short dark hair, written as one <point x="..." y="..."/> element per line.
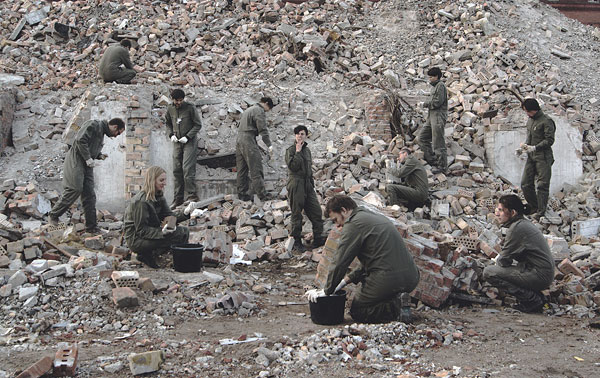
<point x="339" y="201"/>
<point x="531" y="104"/>
<point x="435" y="71"/>
<point x="177" y="94"/>
<point x="117" y="121"/>
<point x="405" y="149"/>
<point x="299" y="128"/>
<point x="268" y="101"/>
<point x="126" y="43"/>
<point x="512" y="202"/>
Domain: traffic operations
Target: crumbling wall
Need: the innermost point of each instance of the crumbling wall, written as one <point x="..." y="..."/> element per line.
<point x="7" y="113"/>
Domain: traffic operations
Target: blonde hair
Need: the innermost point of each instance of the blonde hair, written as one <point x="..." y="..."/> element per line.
<point x="150" y="182"/>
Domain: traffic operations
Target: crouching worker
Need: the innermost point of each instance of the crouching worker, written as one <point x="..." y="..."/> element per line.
<point x="386" y="270"/>
<point x="145" y="212"/>
<point x="525" y="244"/>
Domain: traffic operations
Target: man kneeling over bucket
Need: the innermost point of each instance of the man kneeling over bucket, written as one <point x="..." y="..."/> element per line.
<point x="387" y="270"/>
<point x="143" y="217"/>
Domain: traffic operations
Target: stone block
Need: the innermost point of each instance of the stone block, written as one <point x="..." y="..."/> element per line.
<point x="146" y="284"/>
<point x="38" y="369"/>
<point x="4" y="261"/>
<point x="5" y="290"/>
<point x="65" y="360"/>
<point x="15" y="247"/>
<point x="17" y="279"/>
<point x="32" y="253"/>
<point x="27" y="292"/>
<point x="567" y="267"/>
<point x="289" y="244"/>
<point x="94" y="242"/>
<point x="124" y="297"/>
<point x="55" y="271"/>
<point x="147" y="362"/>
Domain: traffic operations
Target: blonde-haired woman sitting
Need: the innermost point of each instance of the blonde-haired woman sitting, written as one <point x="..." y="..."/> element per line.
<point x="143" y="217"/>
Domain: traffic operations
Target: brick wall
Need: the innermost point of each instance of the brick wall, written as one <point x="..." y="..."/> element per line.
<point x="137" y="152"/>
<point x="7" y="111"/>
<point x="378" y="118"/>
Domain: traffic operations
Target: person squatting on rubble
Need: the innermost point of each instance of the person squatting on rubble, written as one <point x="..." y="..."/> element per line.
<point x="145" y="212"/>
<point x="301" y="190"/>
<point x="78" y="170"/>
<point x="387" y="270"/>
<point x="433" y="130"/>
<point x="114" y="57"/>
<point x="247" y="153"/>
<point x="526" y="245"/>
<point x="538" y="167"/>
<point x="183" y="125"/>
<point x="415" y="193"/>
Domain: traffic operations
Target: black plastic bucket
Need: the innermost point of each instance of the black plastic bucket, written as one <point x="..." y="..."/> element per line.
<point x="328" y="310"/>
<point x="187" y="258"/>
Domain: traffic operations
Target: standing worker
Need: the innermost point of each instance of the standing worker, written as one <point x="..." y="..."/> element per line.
<point x="387" y="270"/>
<point x="78" y="170"/>
<point x="114" y="57"/>
<point x="415" y="192"/>
<point x="538" y="168"/>
<point x="301" y="190"/>
<point x="247" y="153"/>
<point x="147" y="209"/>
<point x="435" y="124"/>
<point x="526" y="245"/>
<point x="183" y="124"/>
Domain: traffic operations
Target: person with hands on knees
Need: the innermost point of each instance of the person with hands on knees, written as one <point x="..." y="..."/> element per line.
<point x="144" y="215"/>
<point x="414" y="191"/>
<point x="386" y="270"/>
<point x="183" y="124"/>
<point x="78" y="170"/>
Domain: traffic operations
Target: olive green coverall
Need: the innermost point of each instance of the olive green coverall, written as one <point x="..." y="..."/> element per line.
<point x="301" y="191"/>
<point x="247" y="152"/>
<point x="184" y="122"/>
<point x="110" y="65"/>
<point x="78" y="178"/>
<point x="143" y="232"/>
<point x="386" y="267"/>
<point x="535" y="266"/>
<point x="434" y="127"/>
<point x="538" y="168"/>
<point x="415" y="192"/>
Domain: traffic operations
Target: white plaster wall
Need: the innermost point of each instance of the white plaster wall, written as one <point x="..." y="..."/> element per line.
<point x="161" y="152"/>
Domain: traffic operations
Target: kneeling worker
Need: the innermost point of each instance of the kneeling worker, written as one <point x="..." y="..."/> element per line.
<point x="143" y="217"/>
<point x="524" y="243"/>
<point x="387" y="270"/>
<point x="410" y="169"/>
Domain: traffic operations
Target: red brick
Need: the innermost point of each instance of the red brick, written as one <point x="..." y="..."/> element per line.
<point x="124" y="297"/>
<point x="567" y="267"/>
<point x="38" y="369"/>
<point x="65" y="360"/>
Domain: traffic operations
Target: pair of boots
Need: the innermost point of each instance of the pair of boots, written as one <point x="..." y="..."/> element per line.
<point x="529" y="301"/>
<point x="299" y="246"/>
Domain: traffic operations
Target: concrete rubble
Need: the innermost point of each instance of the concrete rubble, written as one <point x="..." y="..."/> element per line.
<point x="57" y="282"/>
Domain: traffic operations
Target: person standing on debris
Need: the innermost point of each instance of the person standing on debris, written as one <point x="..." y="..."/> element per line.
<point x="526" y="245"/>
<point x="78" y="169"/>
<point x="247" y="152"/>
<point x="387" y="270"/>
<point x="433" y="130"/>
<point x="301" y="190"/>
<point x="114" y="57"/>
<point x="183" y="124"/>
<point x="538" y="167"/>
<point x="145" y="212"/>
<point x="409" y="168"/>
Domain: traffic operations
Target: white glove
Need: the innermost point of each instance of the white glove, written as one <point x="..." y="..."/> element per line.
<point x="495" y="259"/>
<point x="183" y="140"/>
<point x="270" y="152"/>
<point x="174" y="139"/>
<point x="90" y="163"/>
<point x="313" y="294"/>
<point x="166" y="230"/>
<point x="102" y="157"/>
<point x="341" y="285"/>
<point x="190" y="207"/>
<point x="529" y="148"/>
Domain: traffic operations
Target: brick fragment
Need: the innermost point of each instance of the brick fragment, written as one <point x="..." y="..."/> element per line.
<point x="567" y="267"/>
<point x="124" y="297"/>
<point x="65" y="360"/>
<point x="41" y="367"/>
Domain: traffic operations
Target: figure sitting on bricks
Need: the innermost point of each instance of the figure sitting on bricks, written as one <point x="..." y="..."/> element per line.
<point x="183" y="124"/>
<point x="247" y="153"/>
<point x="387" y="270"/>
<point x="301" y="190"/>
<point x="525" y="244"/>
<point x="433" y="130"/>
<point x="415" y="191"/>
<point x="146" y="211"/>
<point x="538" y="168"/>
<point x="115" y="64"/>
<point x="78" y="170"/>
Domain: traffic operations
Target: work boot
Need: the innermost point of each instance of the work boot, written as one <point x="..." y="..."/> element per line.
<point x="528" y="209"/>
<point x="244" y="197"/>
<point x="319" y="241"/>
<point x="176" y="202"/>
<point x="266" y="197"/>
<point x="52" y="220"/>
<point x="148" y="259"/>
<point x="298" y="246"/>
<point x="93" y="230"/>
<point x="533" y="303"/>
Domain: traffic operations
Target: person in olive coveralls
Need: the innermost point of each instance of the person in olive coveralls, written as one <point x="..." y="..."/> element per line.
<point x="415" y="192"/>
<point x="143" y="217"/>
<point x="78" y="169"/>
<point x="526" y="245"/>
<point x="114" y="57"/>
<point x="301" y="189"/>
<point x="538" y="168"/>
<point x="387" y="270"/>
<point x="433" y="130"/>
<point x="183" y="124"/>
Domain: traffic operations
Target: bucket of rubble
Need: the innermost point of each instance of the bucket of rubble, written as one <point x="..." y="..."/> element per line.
<point x="187" y="258"/>
<point x="328" y="310"/>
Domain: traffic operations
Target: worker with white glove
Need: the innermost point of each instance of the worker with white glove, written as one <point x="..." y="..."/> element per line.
<point x="183" y="124"/>
<point x="313" y="294"/>
<point x="90" y="163"/>
<point x="166" y="230"/>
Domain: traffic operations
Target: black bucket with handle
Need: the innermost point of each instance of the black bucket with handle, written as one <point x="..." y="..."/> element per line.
<point x="187" y="258"/>
<point x="328" y="310"/>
